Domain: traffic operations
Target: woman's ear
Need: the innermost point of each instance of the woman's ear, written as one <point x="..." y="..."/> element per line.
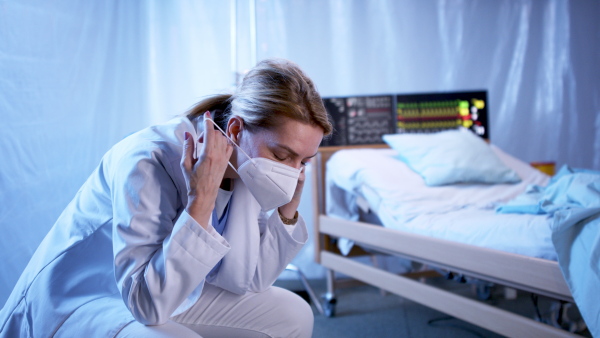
<point x="235" y="125"/>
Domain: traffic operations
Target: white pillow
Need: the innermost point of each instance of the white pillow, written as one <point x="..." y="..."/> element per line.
<point x="452" y="156"/>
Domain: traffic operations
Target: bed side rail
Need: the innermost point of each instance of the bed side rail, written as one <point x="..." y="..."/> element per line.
<point x="531" y="274"/>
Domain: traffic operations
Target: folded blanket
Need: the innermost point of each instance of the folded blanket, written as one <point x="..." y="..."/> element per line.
<point x="569" y="187"/>
<point x="572" y="198"/>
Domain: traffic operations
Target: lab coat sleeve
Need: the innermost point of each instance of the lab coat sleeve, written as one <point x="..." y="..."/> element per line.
<point x="279" y="244"/>
<point x="159" y="258"/>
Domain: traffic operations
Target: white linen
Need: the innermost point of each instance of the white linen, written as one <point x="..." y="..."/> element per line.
<point x="462" y="212"/>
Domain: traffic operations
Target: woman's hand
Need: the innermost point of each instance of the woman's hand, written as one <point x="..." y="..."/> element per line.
<point x="203" y="176"/>
<point x="289" y="210"/>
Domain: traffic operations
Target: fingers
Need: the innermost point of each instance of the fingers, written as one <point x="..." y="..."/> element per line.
<point x="229" y="149"/>
<point x="188" y="152"/>
<point x="209" y="130"/>
<point x="301" y="177"/>
<point x="213" y="139"/>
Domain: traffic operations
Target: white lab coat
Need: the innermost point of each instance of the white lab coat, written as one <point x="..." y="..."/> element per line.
<point x="125" y="247"/>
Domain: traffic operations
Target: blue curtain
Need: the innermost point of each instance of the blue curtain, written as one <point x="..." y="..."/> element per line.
<point x="538" y="60"/>
<point x="77" y="76"/>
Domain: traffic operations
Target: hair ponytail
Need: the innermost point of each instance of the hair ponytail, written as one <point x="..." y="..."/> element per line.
<point x="218" y="105"/>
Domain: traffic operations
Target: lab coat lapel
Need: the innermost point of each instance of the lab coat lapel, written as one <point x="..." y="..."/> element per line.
<point x="242" y="232"/>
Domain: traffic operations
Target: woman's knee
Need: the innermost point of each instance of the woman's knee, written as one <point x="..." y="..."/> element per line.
<point x="293" y="313"/>
<point x="168" y="330"/>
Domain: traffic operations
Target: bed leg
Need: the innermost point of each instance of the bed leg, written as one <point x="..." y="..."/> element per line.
<point x="329" y="297"/>
<point x="330" y="282"/>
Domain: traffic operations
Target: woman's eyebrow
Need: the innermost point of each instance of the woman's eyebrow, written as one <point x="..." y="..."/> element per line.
<point x="291" y="151"/>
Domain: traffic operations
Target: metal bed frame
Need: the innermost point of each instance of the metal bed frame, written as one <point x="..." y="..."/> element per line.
<point x="539" y="276"/>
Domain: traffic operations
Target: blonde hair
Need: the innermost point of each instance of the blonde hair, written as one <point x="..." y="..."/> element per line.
<point x="272" y="90"/>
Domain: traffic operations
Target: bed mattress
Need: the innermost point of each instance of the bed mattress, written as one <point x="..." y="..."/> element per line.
<point x="464" y="213"/>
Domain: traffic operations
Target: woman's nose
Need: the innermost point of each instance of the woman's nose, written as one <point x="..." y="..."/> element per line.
<point x="298" y="165"/>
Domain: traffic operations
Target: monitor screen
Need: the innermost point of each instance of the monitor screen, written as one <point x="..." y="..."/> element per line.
<point x="421" y="113"/>
<point x="365" y="119"/>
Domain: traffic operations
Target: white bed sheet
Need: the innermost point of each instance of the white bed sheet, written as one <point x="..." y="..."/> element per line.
<point x="463" y="213"/>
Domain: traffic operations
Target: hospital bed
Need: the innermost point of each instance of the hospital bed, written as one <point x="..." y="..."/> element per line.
<point x="510" y="250"/>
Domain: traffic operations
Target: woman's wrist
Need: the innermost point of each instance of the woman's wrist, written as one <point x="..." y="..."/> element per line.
<point x="200" y="210"/>
<point x="288" y="210"/>
<point x="287" y="220"/>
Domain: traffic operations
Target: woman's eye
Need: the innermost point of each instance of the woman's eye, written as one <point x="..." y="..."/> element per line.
<point x="278" y="158"/>
<point x="303" y="164"/>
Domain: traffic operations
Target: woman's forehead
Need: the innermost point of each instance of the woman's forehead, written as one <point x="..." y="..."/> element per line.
<point x="300" y="138"/>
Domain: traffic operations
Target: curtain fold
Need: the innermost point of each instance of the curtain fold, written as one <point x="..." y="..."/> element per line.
<point x="78" y="76"/>
<point x="536" y="59"/>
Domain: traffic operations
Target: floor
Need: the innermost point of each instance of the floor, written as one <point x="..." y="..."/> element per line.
<point x="364" y="311"/>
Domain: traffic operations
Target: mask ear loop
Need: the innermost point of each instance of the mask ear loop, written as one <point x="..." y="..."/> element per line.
<point x="230" y="140"/>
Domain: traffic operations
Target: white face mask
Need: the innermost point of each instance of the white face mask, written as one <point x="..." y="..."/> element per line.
<point x="271" y="183"/>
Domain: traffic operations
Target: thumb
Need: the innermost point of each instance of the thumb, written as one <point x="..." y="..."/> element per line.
<point x="229" y="150"/>
<point x="187" y="158"/>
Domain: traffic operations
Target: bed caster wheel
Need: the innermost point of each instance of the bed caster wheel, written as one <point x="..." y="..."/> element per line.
<point x="484" y="291"/>
<point x="329" y="307"/>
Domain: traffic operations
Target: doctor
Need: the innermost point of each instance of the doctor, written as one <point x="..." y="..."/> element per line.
<point x="183" y="227"/>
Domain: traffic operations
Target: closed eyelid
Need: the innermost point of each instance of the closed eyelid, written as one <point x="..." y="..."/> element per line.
<point x="290" y="154"/>
<point x="280" y="158"/>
